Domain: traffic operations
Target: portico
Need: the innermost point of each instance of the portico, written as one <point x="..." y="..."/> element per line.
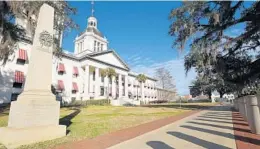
<point x="97" y="84"/>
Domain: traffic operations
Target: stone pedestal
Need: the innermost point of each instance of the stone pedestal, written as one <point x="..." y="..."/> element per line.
<point x="258" y="101"/>
<point x="253" y="114"/>
<point x="14" y="137"/>
<point x="235" y="104"/>
<point x="245" y="106"/>
<point x="241" y="107"/>
<point x="35" y="115"/>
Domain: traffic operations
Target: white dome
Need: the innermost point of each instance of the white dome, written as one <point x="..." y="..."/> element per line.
<point x="92" y="22"/>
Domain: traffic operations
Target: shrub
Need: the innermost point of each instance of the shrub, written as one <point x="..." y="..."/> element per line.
<point x="101" y="102"/>
<point x="202" y="100"/>
<point x="75" y="103"/>
<point x="158" y="101"/>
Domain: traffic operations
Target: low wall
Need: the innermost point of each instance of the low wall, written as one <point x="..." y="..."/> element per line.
<point x="249" y="107"/>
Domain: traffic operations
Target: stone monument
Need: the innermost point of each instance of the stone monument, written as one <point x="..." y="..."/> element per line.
<point x="34" y="116"/>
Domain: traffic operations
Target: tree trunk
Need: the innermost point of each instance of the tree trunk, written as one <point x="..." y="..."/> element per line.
<point x="209" y="94"/>
<point x="221" y="94"/>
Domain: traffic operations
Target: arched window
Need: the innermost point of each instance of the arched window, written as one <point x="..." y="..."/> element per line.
<point x="91" y="23"/>
<point x="94" y="23"/>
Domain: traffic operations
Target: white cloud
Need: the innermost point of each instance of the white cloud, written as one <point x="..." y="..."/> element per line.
<point x="176" y="68"/>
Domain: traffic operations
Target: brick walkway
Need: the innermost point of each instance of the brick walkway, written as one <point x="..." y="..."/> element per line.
<point x="107" y="140"/>
<point x="216" y="128"/>
<point x="207" y="129"/>
<point x="244" y="138"/>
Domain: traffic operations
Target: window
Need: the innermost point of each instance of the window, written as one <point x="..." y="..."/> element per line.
<point x="14" y="96"/>
<point x="17" y="85"/>
<point x="98" y="46"/>
<point x="110" y="80"/>
<point x="61" y="69"/>
<point x="74" y="91"/>
<point x="102" y="91"/>
<point x="75" y="71"/>
<point x="102" y="78"/>
<point x="20" y="62"/>
<point x="95" y="44"/>
<point x="101" y="47"/>
<point x="94" y="75"/>
<point x="22" y="57"/>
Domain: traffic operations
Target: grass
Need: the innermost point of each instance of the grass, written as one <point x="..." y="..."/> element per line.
<point x="92" y="121"/>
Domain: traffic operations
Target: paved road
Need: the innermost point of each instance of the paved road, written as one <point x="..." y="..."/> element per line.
<point x="211" y="129"/>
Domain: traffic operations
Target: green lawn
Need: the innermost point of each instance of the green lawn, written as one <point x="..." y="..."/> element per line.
<point x="93" y="121"/>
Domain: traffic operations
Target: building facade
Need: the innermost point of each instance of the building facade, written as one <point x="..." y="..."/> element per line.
<point x="79" y="75"/>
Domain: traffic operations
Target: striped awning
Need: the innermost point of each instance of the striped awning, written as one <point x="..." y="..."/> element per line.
<point x="61" y="67"/>
<point x="60" y="85"/>
<point x="22" y="55"/>
<point x="74" y="86"/>
<point x="18" y="77"/>
<point x="75" y="70"/>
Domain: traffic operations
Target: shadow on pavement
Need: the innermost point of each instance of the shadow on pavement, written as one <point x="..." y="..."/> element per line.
<point x="209" y="120"/>
<point x="218" y="126"/>
<point x="196" y="140"/>
<point x="158" y="145"/>
<point x="186" y="106"/>
<point x="217" y="118"/>
<point x="227" y="135"/>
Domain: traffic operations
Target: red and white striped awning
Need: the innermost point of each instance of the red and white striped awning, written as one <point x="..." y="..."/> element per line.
<point x="61" y="67"/>
<point x="75" y="70"/>
<point x="74" y="86"/>
<point x="22" y="54"/>
<point x="18" y="77"/>
<point x="60" y="85"/>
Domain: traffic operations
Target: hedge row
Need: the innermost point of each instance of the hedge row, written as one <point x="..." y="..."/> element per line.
<point x="83" y="103"/>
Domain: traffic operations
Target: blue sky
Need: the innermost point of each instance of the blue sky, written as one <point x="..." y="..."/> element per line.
<point x="138" y="32"/>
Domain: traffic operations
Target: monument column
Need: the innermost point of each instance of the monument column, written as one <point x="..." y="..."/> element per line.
<point x="36" y="112"/>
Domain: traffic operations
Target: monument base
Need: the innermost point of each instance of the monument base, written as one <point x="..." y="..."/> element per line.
<point x="33" y="109"/>
<point x="14" y="137"/>
<point x="34" y="117"/>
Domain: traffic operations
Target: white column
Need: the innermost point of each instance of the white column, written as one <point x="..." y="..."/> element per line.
<point x="97" y="83"/>
<point x="142" y="91"/>
<point x="113" y="87"/>
<point x="86" y="82"/>
<point x="126" y="86"/>
<point x="119" y="85"/>
<point x="76" y="48"/>
<point x="106" y="86"/>
<point x="91" y="90"/>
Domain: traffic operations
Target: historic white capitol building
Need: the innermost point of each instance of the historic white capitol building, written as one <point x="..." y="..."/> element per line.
<point x="78" y="75"/>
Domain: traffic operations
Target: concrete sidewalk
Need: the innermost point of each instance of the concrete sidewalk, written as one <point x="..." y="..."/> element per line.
<point x="211" y="129"/>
